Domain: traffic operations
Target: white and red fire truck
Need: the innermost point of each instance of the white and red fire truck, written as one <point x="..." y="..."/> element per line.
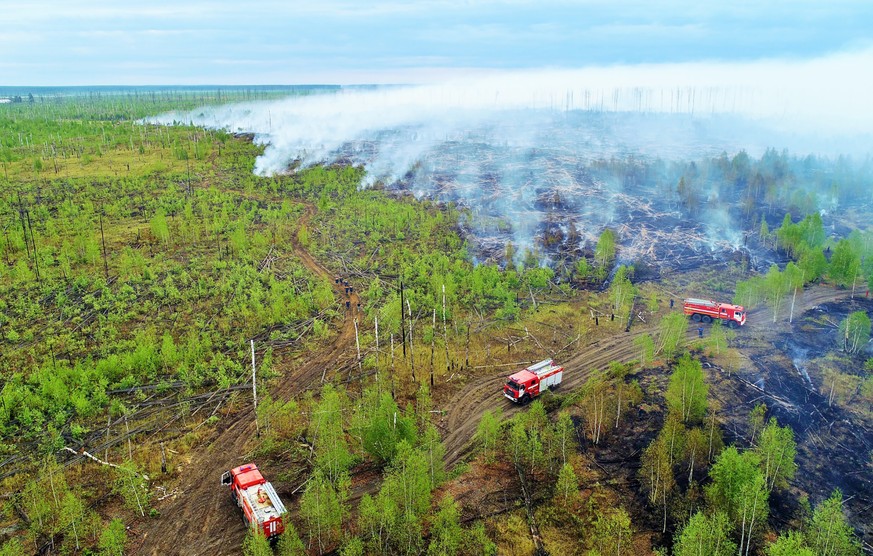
<point x="529" y="383"/>
<point x="261" y="507"/>
<point x="707" y="311"/>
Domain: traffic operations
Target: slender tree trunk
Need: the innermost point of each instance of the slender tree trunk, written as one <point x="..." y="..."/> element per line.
<point x="691" y="472"/>
<point x="402" y="322"/>
<point x="411" y="351"/>
<point x="752" y="522"/>
<point x="445" y="330"/>
<point x="103" y="241"/>
<point x="376" y="321"/>
<point x="432" y="345"/>
<point x="664" y="497"/>
<point x="618" y="410"/>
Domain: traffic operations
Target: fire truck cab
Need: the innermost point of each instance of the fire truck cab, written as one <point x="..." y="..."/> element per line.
<point x="529" y="383"/>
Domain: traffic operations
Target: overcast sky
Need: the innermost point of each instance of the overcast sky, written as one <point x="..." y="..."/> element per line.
<point x="74" y="42"/>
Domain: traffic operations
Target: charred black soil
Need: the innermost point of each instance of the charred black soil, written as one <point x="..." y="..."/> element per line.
<point x="834" y="440"/>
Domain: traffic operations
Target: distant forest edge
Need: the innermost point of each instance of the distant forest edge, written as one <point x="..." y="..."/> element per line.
<point x="44" y="93"/>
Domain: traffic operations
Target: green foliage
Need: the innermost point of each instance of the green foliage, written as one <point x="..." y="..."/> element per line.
<point x="353" y="547"/>
<point x="408" y="480"/>
<point x="538" y="277"/>
<point x="159" y="226"/>
<point x="12" y="547"/>
<point x="323" y="507"/>
<point x="739" y="490"/>
<point x="529" y="432"/>
<point x="757" y="419"/>
<point x="394" y="517"/>
<point x="671" y="334"/>
<point x="332" y="455"/>
<point x="567" y="485"/>
<point x="749" y="293"/>
<point x="855" y="332"/>
<point x="656" y="467"/>
<point x="687" y="393"/>
<point x="604" y="252"/>
<point x="612" y="533"/>
<point x="776" y="286"/>
<point x="72" y="512"/>
<point x="622" y="292"/>
<point x="565" y="436"/>
<point x="776" y="449"/>
<point x="845" y="264"/>
<point x="132" y="486"/>
<point x="256" y="544"/>
<point x="382" y="426"/>
<point x="812" y="263"/>
<point x="582" y="268"/>
<point x="376" y="517"/>
<point x="487" y="433"/>
<point x="829" y="532"/>
<point x="705" y="534"/>
<point x="764" y="230"/>
<point x="434" y="453"/>
<point x="791" y="543"/>
<point x="475" y="542"/>
<point x="806" y="234"/>
<point x="696" y="447"/>
<point x="113" y="539"/>
<point x="445" y="531"/>
<point x="289" y="541"/>
<point x="646" y="345"/>
<point x="280" y="423"/>
<point x="719" y="336"/>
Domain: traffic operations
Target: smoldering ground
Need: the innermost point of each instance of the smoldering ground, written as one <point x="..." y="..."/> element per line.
<point x="503" y="143"/>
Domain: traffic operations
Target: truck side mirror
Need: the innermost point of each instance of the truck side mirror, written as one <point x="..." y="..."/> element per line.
<point x="225" y="478"/>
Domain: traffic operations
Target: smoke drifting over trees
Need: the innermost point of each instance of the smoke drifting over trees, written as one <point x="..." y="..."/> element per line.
<point x="551" y="158"/>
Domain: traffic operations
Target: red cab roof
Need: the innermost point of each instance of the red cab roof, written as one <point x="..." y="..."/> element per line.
<point x="522" y="377"/>
<point x="248" y="475"/>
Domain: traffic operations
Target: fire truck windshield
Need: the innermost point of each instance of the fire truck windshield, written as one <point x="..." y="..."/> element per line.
<point x="514" y="385"/>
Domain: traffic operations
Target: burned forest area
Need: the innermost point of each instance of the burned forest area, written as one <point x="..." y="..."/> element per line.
<point x="572" y="349"/>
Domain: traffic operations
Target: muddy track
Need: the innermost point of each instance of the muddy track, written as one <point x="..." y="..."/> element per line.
<point x="200" y="519"/>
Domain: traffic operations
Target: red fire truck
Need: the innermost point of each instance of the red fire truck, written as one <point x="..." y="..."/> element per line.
<point x="261" y="507"/>
<point x="706" y="311"/>
<point x="529" y="383"/>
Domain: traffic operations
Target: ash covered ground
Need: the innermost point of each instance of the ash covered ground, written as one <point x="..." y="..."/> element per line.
<point x="548" y="171"/>
<point x="680" y="192"/>
<point x="791" y="370"/>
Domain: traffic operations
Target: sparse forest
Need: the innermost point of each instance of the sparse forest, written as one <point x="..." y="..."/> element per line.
<point x="152" y="285"/>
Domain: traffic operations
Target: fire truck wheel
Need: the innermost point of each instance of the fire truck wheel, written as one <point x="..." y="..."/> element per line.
<point x="707" y="319"/>
<point x="732" y="324"/>
<point x="695" y="317"/>
<point x="525" y="399"/>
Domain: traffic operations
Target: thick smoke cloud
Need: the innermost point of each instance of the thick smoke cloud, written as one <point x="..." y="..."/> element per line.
<point x="516" y="148"/>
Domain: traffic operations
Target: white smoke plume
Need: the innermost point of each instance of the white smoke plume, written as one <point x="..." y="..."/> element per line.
<point x="513" y="145"/>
